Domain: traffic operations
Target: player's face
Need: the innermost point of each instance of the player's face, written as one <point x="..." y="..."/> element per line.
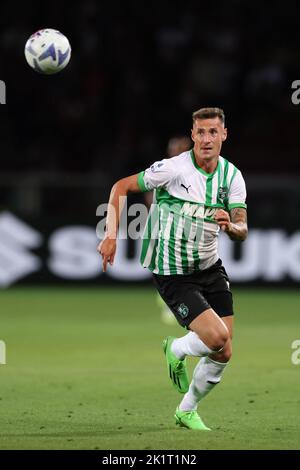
<point x="208" y="136"/>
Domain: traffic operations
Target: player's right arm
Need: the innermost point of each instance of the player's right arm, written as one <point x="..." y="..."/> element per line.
<point x="158" y="175"/>
<point x="107" y="247"/>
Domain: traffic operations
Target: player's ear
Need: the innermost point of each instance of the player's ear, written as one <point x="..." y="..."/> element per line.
<point x="224" y="135"/>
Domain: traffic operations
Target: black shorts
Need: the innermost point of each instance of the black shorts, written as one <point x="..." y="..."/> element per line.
<point x="188" y="295"/>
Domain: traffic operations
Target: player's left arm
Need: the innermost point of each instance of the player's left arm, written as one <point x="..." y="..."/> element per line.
<point x="233" y="223"/>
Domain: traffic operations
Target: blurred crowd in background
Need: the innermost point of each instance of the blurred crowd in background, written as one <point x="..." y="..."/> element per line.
<point x="137" y="73"/>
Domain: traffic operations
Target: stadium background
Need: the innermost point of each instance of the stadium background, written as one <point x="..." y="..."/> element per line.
<point x="135" y="76"/>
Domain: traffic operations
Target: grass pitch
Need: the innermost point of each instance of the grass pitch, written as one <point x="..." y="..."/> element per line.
<point x="85" y="370"/>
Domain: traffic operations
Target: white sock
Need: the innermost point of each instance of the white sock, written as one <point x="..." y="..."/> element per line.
<point x="207" y="375"/>
<point x="189" y="345"/>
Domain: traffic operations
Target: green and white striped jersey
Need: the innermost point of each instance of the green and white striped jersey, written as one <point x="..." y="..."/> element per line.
<point x="181" y="234"/>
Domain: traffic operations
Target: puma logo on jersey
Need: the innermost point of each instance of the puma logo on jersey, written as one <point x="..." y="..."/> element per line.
<point x="186" y="187"/>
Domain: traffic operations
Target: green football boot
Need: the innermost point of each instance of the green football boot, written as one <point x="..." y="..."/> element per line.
<point x="176" y="368"/>
<point x="190" y="420"/>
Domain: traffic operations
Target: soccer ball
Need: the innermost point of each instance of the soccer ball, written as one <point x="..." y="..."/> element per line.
<point x="48" y="51"/>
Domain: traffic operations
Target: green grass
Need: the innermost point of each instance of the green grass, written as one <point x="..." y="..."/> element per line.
<point x="85" y="370"/>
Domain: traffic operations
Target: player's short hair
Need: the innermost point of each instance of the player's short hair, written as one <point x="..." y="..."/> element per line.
<point x="208" y="113"/>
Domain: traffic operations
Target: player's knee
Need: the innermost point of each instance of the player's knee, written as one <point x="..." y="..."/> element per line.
<point x="218" y="339"/>
<point x="224" y="355"/>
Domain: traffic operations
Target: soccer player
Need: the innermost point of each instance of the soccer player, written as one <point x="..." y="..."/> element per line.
<point x="197" y="193"/>
<point x="176" y="145"/>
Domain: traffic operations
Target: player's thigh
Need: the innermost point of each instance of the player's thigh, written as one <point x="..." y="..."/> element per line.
<point x="216" y="325"/>
<point x="229" y="323"/>
<point x="184" y="297"/>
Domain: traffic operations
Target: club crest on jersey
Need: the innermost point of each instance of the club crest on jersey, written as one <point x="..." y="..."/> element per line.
<point x="222" y="194"/>
<point x="183" y="310"/>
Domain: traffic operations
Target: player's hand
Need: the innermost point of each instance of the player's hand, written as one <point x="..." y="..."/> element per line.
<point x="223" y="220"/>
<point x="107" y="249"/>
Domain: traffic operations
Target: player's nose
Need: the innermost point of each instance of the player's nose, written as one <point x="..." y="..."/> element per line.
<point x="207" y="138"/>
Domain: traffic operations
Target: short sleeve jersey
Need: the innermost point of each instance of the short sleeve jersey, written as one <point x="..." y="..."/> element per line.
<point x="180" y="235"/>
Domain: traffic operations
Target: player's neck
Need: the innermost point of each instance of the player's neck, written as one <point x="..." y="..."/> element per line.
<point x="207" y="165"/>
